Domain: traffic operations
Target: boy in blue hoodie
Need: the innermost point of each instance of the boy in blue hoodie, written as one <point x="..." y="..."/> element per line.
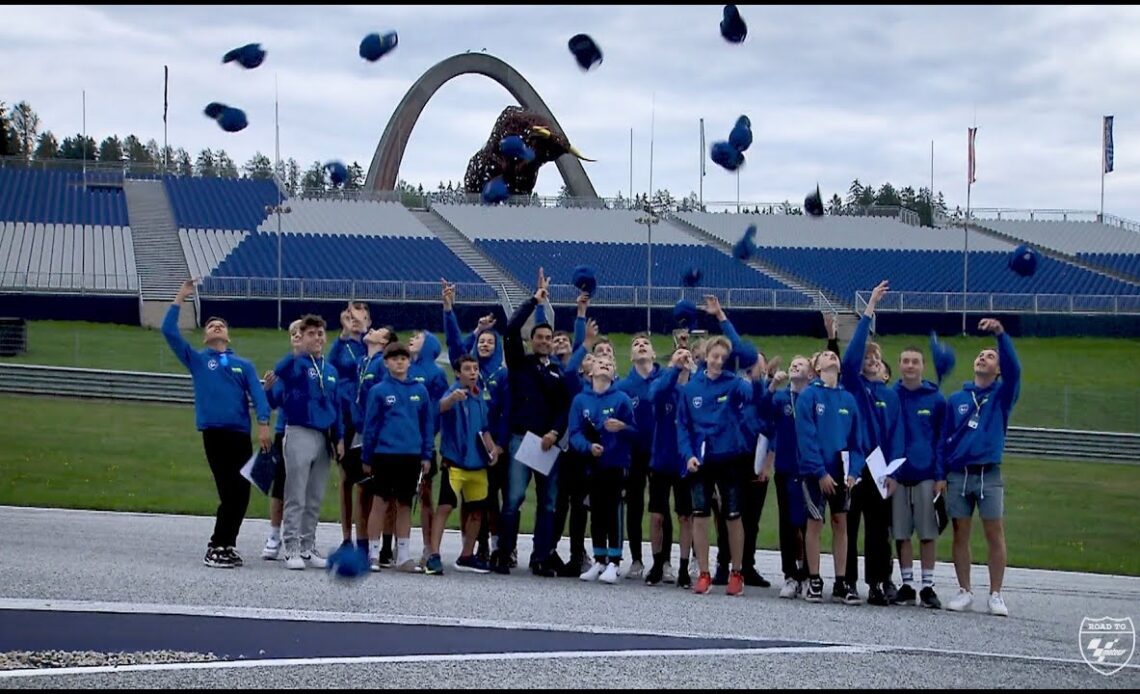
<point x="225" y="385"/>
<point x="275" y="394"/>
<point x="977" y="418"/>
<point x="602" y="426"/>
<point x="399" y="432"/>
<point x="424" y="348"/>
<point x="827" y="428"/>
<point x="636" y="385"/>
<point x="312" y="432"/>
<point x="710" y="439"/>
<point x="881" y="426"/>
<point x="914" y="486"/>
<point x="345" y="355"/>
<point x="467" y="449"/>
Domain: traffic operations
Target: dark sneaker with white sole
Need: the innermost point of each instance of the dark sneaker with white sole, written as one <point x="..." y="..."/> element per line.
<point x="930" y="598"/>
<point x="906" y="595"/>
<point x="216" y="558"/>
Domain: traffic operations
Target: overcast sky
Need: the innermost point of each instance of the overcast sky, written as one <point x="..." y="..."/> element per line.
<point x="834" y="93"/>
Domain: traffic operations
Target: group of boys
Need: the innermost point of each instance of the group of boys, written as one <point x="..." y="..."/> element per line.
<point x="691" y="428"/>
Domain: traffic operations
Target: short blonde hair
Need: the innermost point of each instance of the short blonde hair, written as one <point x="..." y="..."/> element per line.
<point x="718" y="341"/>
<point x="295" y="327"/>
<point x="874" y="348"/>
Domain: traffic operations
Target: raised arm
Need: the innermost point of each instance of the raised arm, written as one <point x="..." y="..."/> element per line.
<point x="744" y="351"/>
<point x="1009" y="364"/>
<point x="178" y="344"/>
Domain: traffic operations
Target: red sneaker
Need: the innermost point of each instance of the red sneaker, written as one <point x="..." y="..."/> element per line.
<point x="704" y="581"/>
<point x="735" y="584"/>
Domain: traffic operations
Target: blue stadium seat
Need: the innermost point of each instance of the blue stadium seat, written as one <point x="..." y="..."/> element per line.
<point x="59" y="197"/>
<point x="220" y="203"/>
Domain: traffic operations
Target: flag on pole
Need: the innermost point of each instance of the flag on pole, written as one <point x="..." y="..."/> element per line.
<point x="703" y="172"/>
<point x="971" y="176"/>
<point x="1107" y="144"/>
<point x="165" y="83"/>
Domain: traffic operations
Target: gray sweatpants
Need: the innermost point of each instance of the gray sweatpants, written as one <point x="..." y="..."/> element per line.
<point x="306" y="473"/>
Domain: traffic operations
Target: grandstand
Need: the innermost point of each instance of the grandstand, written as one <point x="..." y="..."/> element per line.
<point x="1108" y="247"/>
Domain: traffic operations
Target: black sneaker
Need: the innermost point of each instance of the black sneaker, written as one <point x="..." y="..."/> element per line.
<point x="216" y="558"/>
<point x="513" y="562"/>
<point x="555" y="563"/>
<point x="891" y="591"/>
<point x="543" y="569"/>
<point x="929" y="598"/>
<point x="720" y="578"/>
<point x="814" y="590"/>
<point x="483" y="553"/>
<point x="656" y="573"/>
<point x="905" y="595"/>
<point x="386" y="558"/>
<point x="231" y="552"/>
<point x="848" y="595"/>
<point x="753" y="578"/>
<point x="876" y="596"/>
<point x="499" y="563"/>
<point x="684" y="580"/>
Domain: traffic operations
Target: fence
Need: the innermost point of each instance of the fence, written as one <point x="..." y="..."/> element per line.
<point x="68" y="282"/>
<point x="1067" y="442"/>
<point x="332" y="289"/>
<point x="954" y="302"/>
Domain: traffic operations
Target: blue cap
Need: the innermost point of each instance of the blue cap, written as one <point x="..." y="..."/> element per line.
<point x="495" y="190"/>
<point x="726" y="156"/>
<point x="584" y="279"/>
<point x="585" y="51"/>
<point x="338" y="173"/>
<point x="692" y="277"/>
<point x="942" y="355"/>
<point x="685" y="313"/>
<point x="214" y="109"/>
<point x="741" y="136"/>
<point x="347" y="563"/>
<point x="813" y="203"/>
<point x="248" y="56"/>
<point x="515" y="147"/>
<point x="1023" y="260"/>
<point x="732" y="27"/>
<point x="230" y="119"/>
<point x="375" y="46"/>
<point x="744" y="249"/>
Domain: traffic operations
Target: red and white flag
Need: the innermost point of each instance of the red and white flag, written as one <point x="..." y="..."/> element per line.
<point x="971" y="175"/>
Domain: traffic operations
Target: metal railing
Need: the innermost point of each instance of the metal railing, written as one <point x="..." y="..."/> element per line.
<point x="340" y="289"/>
<point x="953" y="302"/>
<point x="1040" y="215"/>
<point x="67" y="283"/>
<point x="31" y="379"/>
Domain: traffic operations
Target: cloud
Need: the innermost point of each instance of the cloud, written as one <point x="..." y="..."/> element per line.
<point x="834" y="93"/>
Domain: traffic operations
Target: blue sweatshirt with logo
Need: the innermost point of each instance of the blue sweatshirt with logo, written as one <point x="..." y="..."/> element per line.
<point x="225" y="385"/>
<point x="827" y="422"/>
<point x="637" y="387"/>
<point x="458" y="345"/>
<point x="665" y="394"/>
<point x="398" y="420"/>
<point x="778" y="410"/>
<point x="459" y="440"/>
<point x="880" y="419"/>
<point x="963" y="445"/>
<point x="344" y="355"/>
<point x="310" y="398"/>
<point x="708" y="416"/>
<point x="923" y="413"/>
<point x="588" y="414"/>
<point x="370" y="370"/>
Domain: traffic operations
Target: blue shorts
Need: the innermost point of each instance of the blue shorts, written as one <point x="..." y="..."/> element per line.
<point x="817" y="503"/>
<point x="977" y="485"/>
<point x="725" y="473"/>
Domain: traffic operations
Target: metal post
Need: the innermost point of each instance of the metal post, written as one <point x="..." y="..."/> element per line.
<point x="965" y="257"/>
<point x="649" y="279"/>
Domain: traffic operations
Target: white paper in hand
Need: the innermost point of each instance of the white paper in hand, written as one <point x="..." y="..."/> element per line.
<point x="530" y="453"/>
<point x="846" y="458"/>
<point x="761" y="454"/>
<point x="879" y="468"/>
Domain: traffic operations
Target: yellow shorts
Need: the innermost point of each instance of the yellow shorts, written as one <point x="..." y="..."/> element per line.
<point x="468" y="485"/>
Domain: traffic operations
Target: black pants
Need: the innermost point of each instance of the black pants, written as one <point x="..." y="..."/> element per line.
<point x="635" y="501"/>
<point x="605" y="512"/>
<point x="572" y="491"/>
<point x="791" y="529"/>
<point x="496" y="495"/>
<point x="752" y="496"/>
<point x="227" y="451"/>
<point x="876" y="513"/>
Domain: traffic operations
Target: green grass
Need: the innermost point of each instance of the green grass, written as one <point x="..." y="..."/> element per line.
<point x="120" y="456"/>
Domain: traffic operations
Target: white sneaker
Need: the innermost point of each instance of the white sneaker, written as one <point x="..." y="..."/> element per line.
<point x="791" y="587"/>
<point x="272" y="548"/>
<point x="667" y="574"/>
<point x="595" y="571"/>
<point x="610" y="575"/>
<point x="294" y="562"/>
<point x="961" y="602"/>
<point x="374" y="563"/>
<point x="635" y="570"/>
<point x="997" y="605"/>
<point x="314" y="559"/>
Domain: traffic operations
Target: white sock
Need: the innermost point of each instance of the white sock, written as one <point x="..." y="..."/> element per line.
<point x="494" y="543"/>
<point x="402" y="550"/>
<point x="275" y="533"/>
<point x="374" y="549"/>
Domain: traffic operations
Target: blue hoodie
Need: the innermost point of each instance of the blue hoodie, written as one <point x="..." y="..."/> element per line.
<point x="344" y="355"/>
<point x="778" y="411"/>
<point x="370" y="370"/>
<point x="276" y="398"/>
<point x="923" y="413"/>
<point x="588" y="414"/>
<point x="637" y="388"/>
<point x="424" y="370"/>
<point x="497" y="392"/>
<point x="827" y="422"/>
<point x="961" y="445"/>
<point x="459" y="430"/>
<point x="665" y="395"/>
<point x="744" y="354"/>
<point x="458" y="345"/>
<point x="880" y="418"/>
<point x="709" y="415"/>
<point x="310" y="398"/>
<point x="398" y="420"/>
<point x="224" y="384"/>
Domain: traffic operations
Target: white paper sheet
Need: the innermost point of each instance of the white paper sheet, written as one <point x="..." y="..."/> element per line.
<point x="530" y="453"/>
<point x="761" y="454"/>
<point x="879" y="468"/>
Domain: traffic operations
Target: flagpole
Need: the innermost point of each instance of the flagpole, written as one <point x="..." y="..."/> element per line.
<point x="165" y="145"/>
<point x="84" y="147"/>
<point x="966" y="225"/>
<point x="701" y="167"/>
<point x="631" y="167"/>
<point x="1103" y="133"/>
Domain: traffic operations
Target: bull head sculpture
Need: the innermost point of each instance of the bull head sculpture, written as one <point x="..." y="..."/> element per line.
<point x="547" y="142"/>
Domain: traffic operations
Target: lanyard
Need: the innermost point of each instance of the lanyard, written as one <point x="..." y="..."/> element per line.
<point x="320" y="373"/>
<point x="792" y="397"/>
<point x="978" y="405"/>
<point x="348" y="346"/>
<point x="361" y="376"/>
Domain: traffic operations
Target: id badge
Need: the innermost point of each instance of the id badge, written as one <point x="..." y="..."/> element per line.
<point x="973" y="423"/>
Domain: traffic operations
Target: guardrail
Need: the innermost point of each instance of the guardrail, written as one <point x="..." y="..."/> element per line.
<point x="953" y="302"/>
<point x="68" y="283"/>
<point x="33" y="379"/>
